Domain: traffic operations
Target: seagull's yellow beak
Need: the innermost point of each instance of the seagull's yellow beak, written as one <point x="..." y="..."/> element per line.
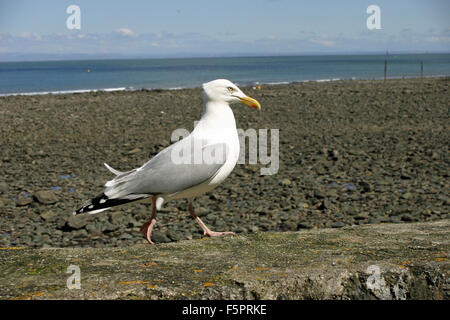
<point x="250" y="102"/>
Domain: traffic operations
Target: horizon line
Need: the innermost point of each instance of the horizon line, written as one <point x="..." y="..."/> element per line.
<point x="48" y="57"/>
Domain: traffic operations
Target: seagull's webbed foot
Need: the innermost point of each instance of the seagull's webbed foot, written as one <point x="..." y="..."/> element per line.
<point x="147" y="227"/>
<point x="210" y="233"/>
<point x="206" y="230"/>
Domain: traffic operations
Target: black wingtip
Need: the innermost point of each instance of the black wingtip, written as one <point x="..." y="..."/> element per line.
<point x="92" y="204"/>
<point x="100" y="203"/>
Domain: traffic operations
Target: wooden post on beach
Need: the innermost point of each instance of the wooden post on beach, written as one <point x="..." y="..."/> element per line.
<point x="421" y="69"/>
<point x="385" y="68"/>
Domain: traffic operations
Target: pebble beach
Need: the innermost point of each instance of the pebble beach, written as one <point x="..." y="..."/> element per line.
<point x="350" y="152"/>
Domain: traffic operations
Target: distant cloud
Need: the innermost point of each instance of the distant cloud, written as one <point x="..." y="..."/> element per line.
<point x="438" y="39"/>
<point x="230" y="34"/>
<point x="327" y="43"/>
<point x="126" y="42"/>
<point x="29" y="36"/>
<point x="126" y="32"/>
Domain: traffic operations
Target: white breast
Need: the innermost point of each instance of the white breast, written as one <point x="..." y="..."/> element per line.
<point x="217" y="125"/>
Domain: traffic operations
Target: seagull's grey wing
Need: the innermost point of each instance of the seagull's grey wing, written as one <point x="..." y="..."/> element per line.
<point x="182" y="165"/>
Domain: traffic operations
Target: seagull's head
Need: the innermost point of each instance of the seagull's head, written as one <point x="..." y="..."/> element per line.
<point x="227" y="91"/>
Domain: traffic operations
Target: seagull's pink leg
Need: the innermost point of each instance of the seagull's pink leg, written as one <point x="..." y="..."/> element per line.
<point x="206" y="230"/>
<point x="147" y="227"/>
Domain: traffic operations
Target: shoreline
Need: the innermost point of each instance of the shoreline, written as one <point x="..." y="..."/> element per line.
<point x="275" y="83"/>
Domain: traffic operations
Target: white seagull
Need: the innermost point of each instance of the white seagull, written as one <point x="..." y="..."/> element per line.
<point x="190" y="167"/>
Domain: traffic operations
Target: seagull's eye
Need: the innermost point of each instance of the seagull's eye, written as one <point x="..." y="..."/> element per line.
<point x="230" y="89"/>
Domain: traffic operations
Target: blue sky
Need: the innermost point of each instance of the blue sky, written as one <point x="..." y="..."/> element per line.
<point x="216" y="28"/>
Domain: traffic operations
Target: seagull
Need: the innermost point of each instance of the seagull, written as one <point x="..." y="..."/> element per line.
<point x="188" y="168"/>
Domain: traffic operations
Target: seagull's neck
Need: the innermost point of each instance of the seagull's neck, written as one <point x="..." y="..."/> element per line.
<point x="217" y="125"/>
<point x="218" y="114"/>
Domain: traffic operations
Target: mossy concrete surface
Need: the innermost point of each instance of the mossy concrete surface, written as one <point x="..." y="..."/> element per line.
<point x="384" y="261"/>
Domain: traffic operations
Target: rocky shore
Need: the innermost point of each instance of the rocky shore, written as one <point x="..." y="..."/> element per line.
<point x="351" y="153"/>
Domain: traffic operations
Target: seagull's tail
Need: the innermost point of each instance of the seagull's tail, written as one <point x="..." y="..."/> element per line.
<point x="102" y="203"/>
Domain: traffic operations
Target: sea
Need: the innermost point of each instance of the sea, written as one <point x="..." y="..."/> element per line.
<point x="57" y="77"/>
